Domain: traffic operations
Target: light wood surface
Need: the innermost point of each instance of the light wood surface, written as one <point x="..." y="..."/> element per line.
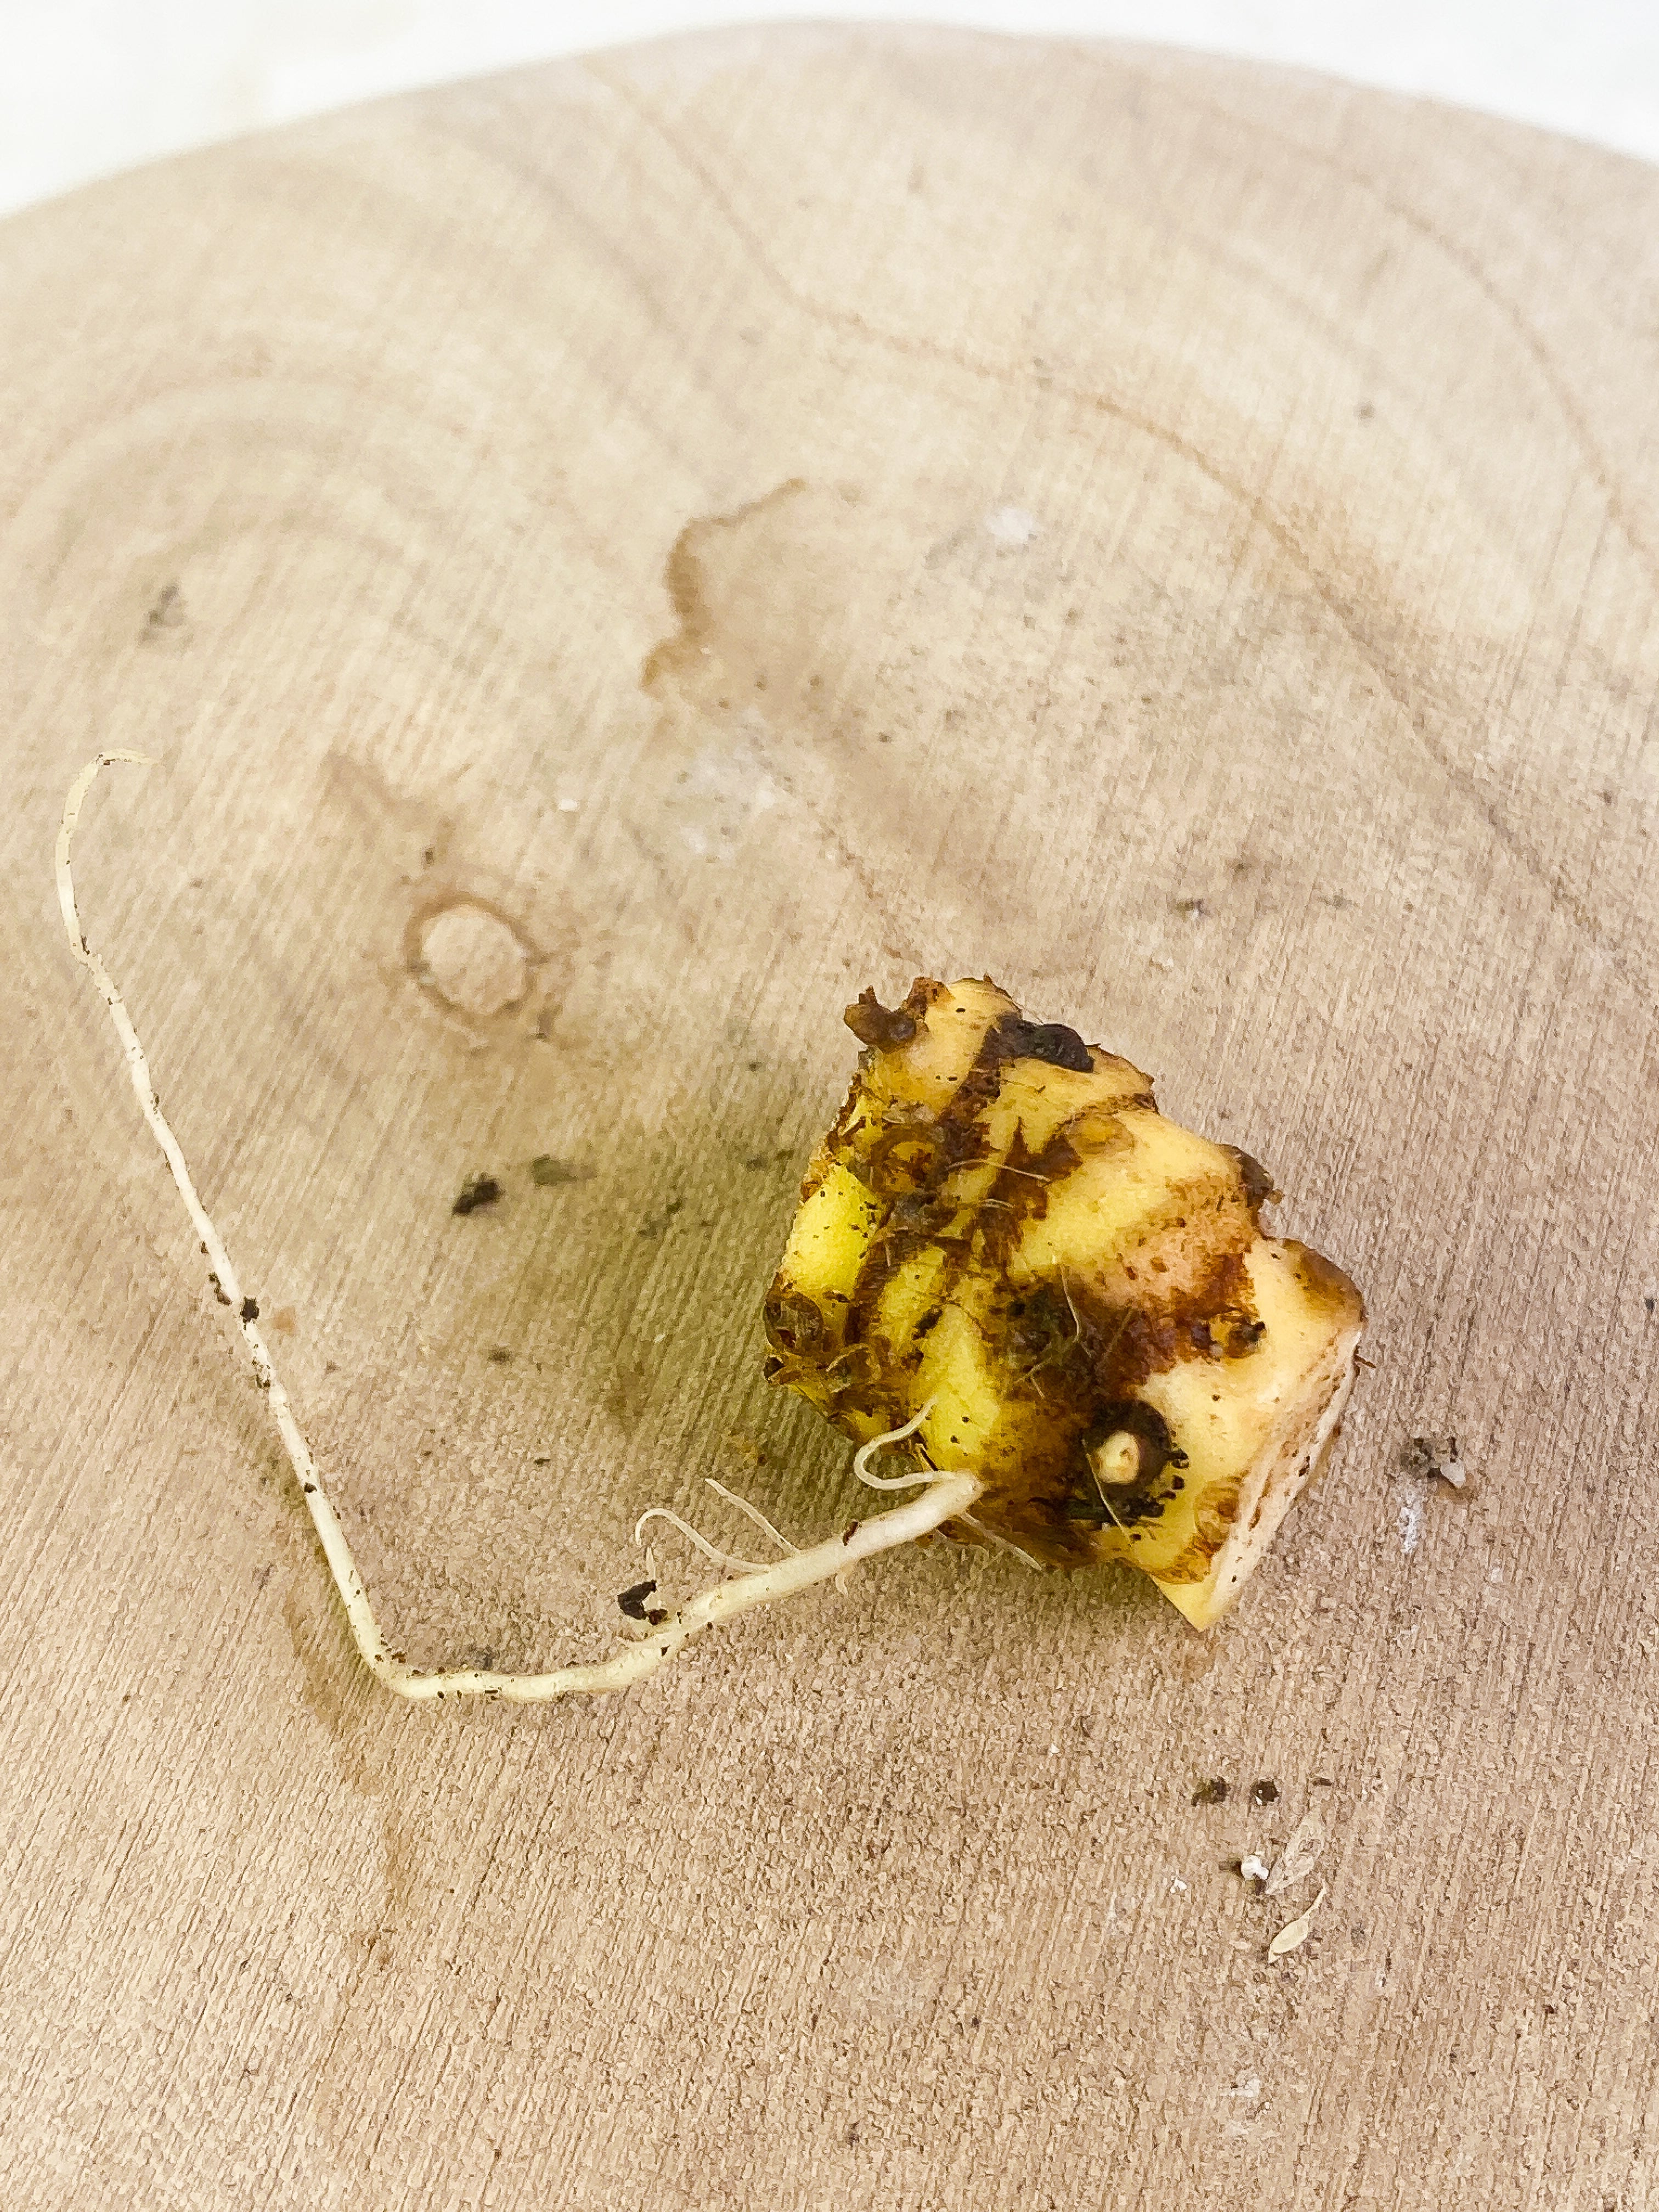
<point x="613" y="561"/>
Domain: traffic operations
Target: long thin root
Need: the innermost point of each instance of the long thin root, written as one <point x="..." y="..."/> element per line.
<point x="945" y="1496"/>
<point x="754" y="1513"/>
<point x="710" y="1551"/>
<point x="865" y="1453"/>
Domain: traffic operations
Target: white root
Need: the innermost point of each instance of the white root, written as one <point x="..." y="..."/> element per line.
<point x="865" y="1453"/>
<point x="862" y="1459"/>
<point x="1002" y="1543"/>
<point x="710" y="1551"/>
<point x="947" y="1495"/>
<point x="713" y="1551"/>
<point x="754" y="1513"/>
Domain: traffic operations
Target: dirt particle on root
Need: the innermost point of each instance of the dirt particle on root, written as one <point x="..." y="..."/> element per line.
<point x="1264" y="1793"/>
<point x="476" y="1191"/>
<point x="1212" y="1792"/>
<point x="250" y="1309"/>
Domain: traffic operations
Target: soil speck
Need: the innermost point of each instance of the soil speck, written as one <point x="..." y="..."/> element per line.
<point x="547" y="1173"/>
<point x="476" y="1191"/>
<point x="167" y="612"/>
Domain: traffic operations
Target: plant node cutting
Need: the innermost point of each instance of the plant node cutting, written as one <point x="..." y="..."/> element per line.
<point x="1005" y="1260"/>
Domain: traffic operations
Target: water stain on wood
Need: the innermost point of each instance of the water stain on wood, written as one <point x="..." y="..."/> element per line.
<point x="686" y="580"/>
<point x="479" y="961"/>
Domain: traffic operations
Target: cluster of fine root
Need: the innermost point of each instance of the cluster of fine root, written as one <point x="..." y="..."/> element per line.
<point x="944" y="1494"/>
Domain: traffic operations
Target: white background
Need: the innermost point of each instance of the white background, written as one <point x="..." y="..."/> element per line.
<point x="87" y="87"/>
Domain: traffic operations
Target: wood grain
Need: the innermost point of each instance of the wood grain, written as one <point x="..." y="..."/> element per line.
<point x="612" y="560"/>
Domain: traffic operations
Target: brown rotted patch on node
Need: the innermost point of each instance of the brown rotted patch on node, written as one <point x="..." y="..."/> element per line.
<point x="1012" y="1037"/>
<point x="795" y="1324"/>
<point x="982" y="1084"/>
<point x="890" y="1249"/>
<point x="910" y="1163"/>
<point x="1128" y="1343"/>
<point x="1020" y="1195"/>
<point x="1084" y="1391"/>
<point x="1260" y="1189"/>
<point x="910" y="1159"/>
<point x="1213" y="1520"/>
<point x="879" y="1028"/>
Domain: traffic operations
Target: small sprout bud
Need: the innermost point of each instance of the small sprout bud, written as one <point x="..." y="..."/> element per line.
<point x="1118" y="1460"/>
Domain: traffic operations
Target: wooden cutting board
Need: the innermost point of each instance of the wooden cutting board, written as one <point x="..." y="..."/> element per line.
<point x="611" y="561"/>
